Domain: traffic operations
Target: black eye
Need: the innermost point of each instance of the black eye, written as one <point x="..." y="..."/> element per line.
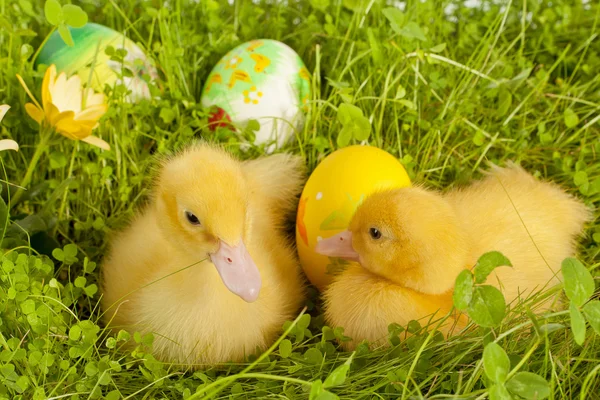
<point x="192" y="218"/>
<point x="375" y="233"/>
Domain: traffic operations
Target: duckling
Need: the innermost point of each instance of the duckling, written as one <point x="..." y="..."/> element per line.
<point x="206" y="266"/>
<point x="535" y="224"/>
<point x="408" y="246"/>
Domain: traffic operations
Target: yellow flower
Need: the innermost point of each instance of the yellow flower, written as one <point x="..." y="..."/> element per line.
<point x="71" y="110"/>
<point x="6" y="144"/>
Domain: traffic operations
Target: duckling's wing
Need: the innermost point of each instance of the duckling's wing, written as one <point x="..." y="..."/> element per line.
<point x="276" y="181"/>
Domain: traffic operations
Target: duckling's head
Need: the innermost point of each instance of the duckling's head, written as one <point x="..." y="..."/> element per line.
<point x="201" y="200"/>
<point x="409" y="236"/>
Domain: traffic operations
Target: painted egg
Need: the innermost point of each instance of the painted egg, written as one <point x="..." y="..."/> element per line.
<point x="262" y="80"/>
<point x="89" y="52"/>
<point x="335" y="188"/>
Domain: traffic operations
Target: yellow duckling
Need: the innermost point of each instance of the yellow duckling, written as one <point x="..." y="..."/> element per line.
<point x="411" y="243"/>
<point x="223" y="219"/>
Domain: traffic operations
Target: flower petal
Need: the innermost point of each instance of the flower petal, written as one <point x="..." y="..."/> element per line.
<point x="59" y="83"/>
<point x="7" y="144"/>
<point x="84" y="128"/>
<point x="53" y="115"/>
<point x="73" y="130"/>
<point x="34" y="112"/>
<point x="69" y="135"/>
<point x="63" y="91"/>
<point x="70" y="98"/>
<point x="22" y="82"/>
<point x="48" y="84"/>
<point x="51" y="112"/>
<point x="69" y="128"/>
<point x="96" y="141"/>
<point x="3" y="110"/>
<point x="92" y="98"/>
<point x="92" y="113"/>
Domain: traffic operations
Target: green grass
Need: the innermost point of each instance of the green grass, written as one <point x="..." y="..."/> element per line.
<point x="499" y="90"/>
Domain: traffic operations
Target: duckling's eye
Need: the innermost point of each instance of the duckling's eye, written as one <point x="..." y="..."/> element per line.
<point x="192" y="219"/>
<point x="375" y="233"/>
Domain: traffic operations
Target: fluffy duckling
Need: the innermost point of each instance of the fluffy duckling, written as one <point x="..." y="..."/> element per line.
<point x="223" y="219"/>
<point x="534" y="223"/>
<point x="411" y="243"/>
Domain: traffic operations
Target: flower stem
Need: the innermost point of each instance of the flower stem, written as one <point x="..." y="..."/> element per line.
<point x="64" y="199"/>
<point x="39" y="150"/>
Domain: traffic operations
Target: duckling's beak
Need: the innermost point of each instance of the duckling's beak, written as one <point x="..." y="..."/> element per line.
<point x="237" y="270"/>
<point x="339" y="246"/>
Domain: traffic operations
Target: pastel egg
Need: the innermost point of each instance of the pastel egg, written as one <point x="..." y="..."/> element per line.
<point x="333" y="191"/>
<point x="263" y="80"/>
<point x="88" y="59"/>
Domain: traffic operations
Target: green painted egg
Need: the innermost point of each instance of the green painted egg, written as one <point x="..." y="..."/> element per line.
<point x="263" y="80"/>
<point x="88" y="55"/>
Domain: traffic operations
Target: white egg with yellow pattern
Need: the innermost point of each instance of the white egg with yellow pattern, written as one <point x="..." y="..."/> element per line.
<point x="262" y="80"/>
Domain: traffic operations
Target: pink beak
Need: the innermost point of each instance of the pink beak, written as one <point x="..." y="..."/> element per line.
<point x="237" y="270"/>
<point x="339" y="246"/>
